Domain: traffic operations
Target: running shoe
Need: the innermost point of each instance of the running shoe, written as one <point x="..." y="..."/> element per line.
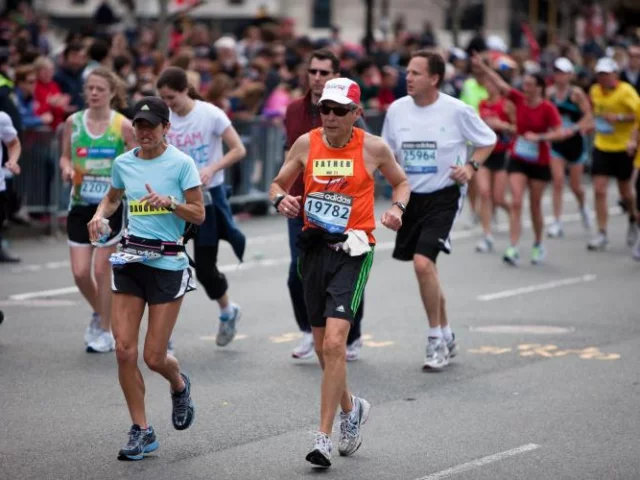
<point x="437" y="355"/>
<point x="538" y="254"/>
<point x="598" y="243"/>
<point x="555" y="230"/>
<point x="103" y="342"/>
<point x="350" y="424"/>
<point x="452" y="346"/>
<point x="587" y="218"/>
<point x="227" y="328"/>
<point x="140" y="442"/>
<point x="306" y="347"/>
<point x="353" y="350"/>
<point x="92" y="329"/>
<point x="184" y="411"/>
<point x="485" y="244"/>
<point x="632" y="234"/>
<point x="511" y="256"/>
<point x="320" y="455"/>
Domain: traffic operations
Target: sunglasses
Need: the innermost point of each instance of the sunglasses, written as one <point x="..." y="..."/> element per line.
<point x="315" y="71"/>
<point x="337" y="111"/>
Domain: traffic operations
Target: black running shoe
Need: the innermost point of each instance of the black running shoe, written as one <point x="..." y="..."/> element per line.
<point x="140" y="442"/>
<point x="183" y="409"/>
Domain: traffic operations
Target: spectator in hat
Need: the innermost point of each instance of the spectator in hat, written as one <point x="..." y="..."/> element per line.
<point x="631" y="74"/>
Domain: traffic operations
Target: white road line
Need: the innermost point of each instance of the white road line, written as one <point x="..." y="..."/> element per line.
<point x="44" y="293"/>
<point x="536" y="288"/>
<point x="481" y="462"/>
<point x="46" y="303"/>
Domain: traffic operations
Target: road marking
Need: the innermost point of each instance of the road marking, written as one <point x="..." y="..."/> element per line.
<point x="536" y="288"/>
<point x="520" y="329"/>
<point x="37" y="303"/>
<point x="547" y="351"/>
<point x="481" y="462"/>
<point x="44" y="293"/>
<point x="212" y="338"/>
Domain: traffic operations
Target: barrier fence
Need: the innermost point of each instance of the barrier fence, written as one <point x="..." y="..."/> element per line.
<point x="43" y="192"/>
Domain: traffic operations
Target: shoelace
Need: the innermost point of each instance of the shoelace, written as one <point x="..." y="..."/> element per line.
<point x="180" y="404"/>
<point x="134" y="437"/>
<point x="322" y="441"/>
<point x="350" y="427"/>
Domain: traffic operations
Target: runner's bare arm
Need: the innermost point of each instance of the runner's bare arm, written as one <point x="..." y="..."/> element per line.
<point x="291" y="168"/>
<point x="66" y="164"/>
<point x="389" y="167"/>
<point x="109" y="203"/>
<point x="585" y="124"/>
<point x="237" y="150"/>
<point x="126" y="130"/>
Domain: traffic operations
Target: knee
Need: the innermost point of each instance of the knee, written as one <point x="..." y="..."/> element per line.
<point x="126" y="354"/>
<point x="576" y="186"/>
<point x="424" y="266"/>
<point x="333" y="348"/>
<point x="102" y="271"/>
<point x="516" y="204"/>
<point x="600" y="192"/>
<point x="485" y="193"/>
<point x="81" y="273"/>
<point x="155" y="359"/>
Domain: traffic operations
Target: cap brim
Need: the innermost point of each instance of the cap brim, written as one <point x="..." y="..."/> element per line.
<point x="604" y="70"/>
<point x="336" y="98"/>
<point x="150" y="117"/>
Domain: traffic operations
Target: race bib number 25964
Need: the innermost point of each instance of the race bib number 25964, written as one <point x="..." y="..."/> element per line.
<point x="420" y="157"/>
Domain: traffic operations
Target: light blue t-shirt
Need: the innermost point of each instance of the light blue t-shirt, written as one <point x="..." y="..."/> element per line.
<point x="171" y="173"/>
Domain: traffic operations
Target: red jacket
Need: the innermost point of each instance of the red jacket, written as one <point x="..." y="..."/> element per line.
<point x="42" y="92"/>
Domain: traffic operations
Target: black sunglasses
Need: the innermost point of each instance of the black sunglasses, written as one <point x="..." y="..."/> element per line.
<point x="323" y="73"/>
<point x="337" y="111"/>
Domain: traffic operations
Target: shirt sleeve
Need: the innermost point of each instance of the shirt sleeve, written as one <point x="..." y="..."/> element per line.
<point x="388" y="134"/>
<point x="473" y="129"/>
<point x="632" y="99"/>
<point x="189" y="176"/>
<point x="7" y="130"/>
<point x="515" y="96"/>
<point x="116" y="174"/>
<point x="220" y="123"/>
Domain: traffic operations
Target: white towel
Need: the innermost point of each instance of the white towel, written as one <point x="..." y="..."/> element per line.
<point x="357" y="243"/>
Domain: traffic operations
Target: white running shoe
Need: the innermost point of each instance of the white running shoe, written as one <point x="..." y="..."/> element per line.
<point x="353" y="350"/>
<point x="92" y="329"/>
<point x="485" y="245"/>
<point x="305" y="348"/>
<point x="587" y="218"/>
<point x="320" y="455"/>
<point x="102" y="343"/>
<point x="350" y="425"/>
<point x="632" y="234"/>
<point x="598" y="243"/>
<point x="437" y="355"/>
<point x="555" y="230"/>
<point x="636" y="250"/>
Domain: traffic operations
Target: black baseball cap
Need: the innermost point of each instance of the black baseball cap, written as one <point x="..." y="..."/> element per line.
<point x="151" y="109"/>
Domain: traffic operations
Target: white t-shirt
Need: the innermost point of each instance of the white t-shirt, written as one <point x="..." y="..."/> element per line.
<point x="428" y="141"/>
<point x="7" y="134"/>
<point x="199" y="135"/>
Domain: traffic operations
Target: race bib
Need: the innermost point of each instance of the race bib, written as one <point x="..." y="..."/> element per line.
<point x="329" y="210"/>
<point x="603" y="126"/>
<point x="420" y="157"/>
<point x="329" y="167"/>
<point x="526" y="150"/>
<point x="567" y="122"/>
<point x="94" y="188"/>
<point x="121" y="258"/>
<point x="137" y="208"/>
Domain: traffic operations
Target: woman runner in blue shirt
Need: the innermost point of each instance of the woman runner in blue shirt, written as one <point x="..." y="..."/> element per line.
<point x="162" y="186"/>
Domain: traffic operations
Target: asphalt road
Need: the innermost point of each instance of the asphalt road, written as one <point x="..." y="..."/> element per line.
<point x="546" y="384"/>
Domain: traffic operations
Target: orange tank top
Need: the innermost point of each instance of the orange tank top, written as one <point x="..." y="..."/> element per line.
<point x="338" y="189"/>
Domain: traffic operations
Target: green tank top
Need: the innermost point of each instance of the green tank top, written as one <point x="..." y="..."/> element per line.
<point x="93" y="158"/>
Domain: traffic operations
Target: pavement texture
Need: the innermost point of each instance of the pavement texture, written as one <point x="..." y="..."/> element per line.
<point x="545" y="386"/>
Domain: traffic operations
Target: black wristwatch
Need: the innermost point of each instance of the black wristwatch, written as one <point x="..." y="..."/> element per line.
<point x="474" y="164"/>
<point x="277" y="200"/>
<point x="401" y="206"/>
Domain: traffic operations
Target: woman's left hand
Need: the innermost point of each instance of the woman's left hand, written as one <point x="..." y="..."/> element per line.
<point x="155" y="200"/>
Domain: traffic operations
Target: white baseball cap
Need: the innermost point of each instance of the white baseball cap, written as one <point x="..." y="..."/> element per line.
<point x="563" y="64"/>
<point x="342" y="91"/>
<point x="606" y="65"/>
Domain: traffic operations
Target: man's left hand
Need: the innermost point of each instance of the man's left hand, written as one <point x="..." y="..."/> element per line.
<point x="462" y="173"/>
<point x="392" y="219"/>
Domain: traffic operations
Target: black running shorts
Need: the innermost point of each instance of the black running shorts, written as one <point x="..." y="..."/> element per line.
<point x="427" y="224"/>
<point x="496" y="161"/>
<point x="333" y="283"/>
<point x="612" y="164"/>
<point x="153" y="285"/>
<point x="532" y="171"/>
<point x="80" y="215"/>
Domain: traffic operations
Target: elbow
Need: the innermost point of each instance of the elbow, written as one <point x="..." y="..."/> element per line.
<point x="242" y="151"/>
<point x="199" y="216"/>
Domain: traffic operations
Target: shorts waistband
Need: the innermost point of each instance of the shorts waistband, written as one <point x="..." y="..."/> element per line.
<point x="133" y="244"/>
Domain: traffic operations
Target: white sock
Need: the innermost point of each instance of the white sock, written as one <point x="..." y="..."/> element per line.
<point x="227" y="311"/>
<point x="435" y="332"/>
<point x="447" y="333"/>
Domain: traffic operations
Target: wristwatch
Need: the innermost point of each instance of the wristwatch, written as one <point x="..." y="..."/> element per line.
<point x="174" y="203"/>
<point x="277" y="200"/>
<point x="401" y="206"/>
<point x="474" y="164"/>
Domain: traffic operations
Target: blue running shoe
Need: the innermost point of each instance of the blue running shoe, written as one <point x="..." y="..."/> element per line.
<point x="140" y="442"/>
